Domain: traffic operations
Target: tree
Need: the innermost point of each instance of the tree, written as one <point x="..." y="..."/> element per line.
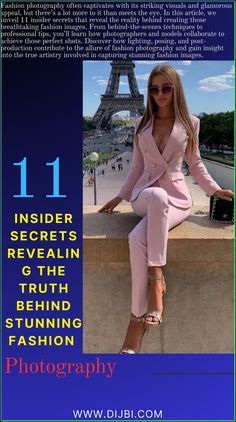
<point x="217" y="129"/>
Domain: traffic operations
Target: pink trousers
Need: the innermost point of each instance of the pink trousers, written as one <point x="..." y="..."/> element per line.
<point x="148" y="240"/>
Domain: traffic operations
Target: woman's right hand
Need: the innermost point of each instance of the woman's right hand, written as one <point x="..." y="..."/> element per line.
<point x="110" y="205"/>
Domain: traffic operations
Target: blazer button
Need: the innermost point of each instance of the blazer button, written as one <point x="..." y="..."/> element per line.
<point x="144" y="149"/>
<point x="154" y="165"/>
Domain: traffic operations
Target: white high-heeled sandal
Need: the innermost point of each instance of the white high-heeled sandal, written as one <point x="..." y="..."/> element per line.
<point x="155" y="314"/>
<point x="127" y="351"/>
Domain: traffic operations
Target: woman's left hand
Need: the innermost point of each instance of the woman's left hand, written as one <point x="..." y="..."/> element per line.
<point x="225" y="194"/>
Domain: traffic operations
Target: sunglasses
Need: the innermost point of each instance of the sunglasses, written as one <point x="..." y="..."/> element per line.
<point x="155" y="89"/>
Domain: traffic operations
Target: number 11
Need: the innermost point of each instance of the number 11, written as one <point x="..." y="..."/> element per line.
<point x="23" y="180"/>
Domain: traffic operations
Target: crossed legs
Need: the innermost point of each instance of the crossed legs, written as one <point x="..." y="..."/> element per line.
<point x="148" y="250"/>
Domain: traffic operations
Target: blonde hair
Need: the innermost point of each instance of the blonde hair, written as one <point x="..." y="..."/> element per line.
<point x="180" y="108"/>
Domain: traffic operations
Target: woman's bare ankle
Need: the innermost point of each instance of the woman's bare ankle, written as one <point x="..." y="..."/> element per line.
<point x="134" y="334"/>
<point x="155" y="271"/>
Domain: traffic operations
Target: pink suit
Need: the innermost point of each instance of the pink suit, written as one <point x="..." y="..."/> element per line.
<point x="156" y="188"/>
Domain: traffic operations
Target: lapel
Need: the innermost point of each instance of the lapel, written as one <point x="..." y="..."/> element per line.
<point x="178" y="134"/>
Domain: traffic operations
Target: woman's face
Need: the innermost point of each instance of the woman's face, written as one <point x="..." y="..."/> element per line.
<point x="162" y="97"/>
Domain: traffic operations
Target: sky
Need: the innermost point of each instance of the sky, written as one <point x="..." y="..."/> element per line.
<point x="208" y="85"/>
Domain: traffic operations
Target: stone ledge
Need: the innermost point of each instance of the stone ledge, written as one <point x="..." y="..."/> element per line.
<point x="118" y="224"/>
<point x="199" y="307"/>
<point x="106" y="236"/>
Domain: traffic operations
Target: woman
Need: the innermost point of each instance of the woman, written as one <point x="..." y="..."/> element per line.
<point x="165" y="135"/>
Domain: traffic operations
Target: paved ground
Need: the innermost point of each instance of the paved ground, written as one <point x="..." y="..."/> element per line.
<point x="108" y="185"/>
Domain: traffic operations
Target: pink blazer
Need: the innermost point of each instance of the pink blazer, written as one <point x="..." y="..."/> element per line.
<point x="149" y="165"/>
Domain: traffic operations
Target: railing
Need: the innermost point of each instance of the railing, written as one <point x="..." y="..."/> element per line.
<point x="221" y="173"/>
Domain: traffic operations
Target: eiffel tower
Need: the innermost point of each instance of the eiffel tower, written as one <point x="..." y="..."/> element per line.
<point x="112" y="102"/>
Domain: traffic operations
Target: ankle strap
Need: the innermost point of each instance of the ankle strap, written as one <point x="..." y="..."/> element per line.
<point x="155" y="277"/>
<point x="134" y="318"/>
